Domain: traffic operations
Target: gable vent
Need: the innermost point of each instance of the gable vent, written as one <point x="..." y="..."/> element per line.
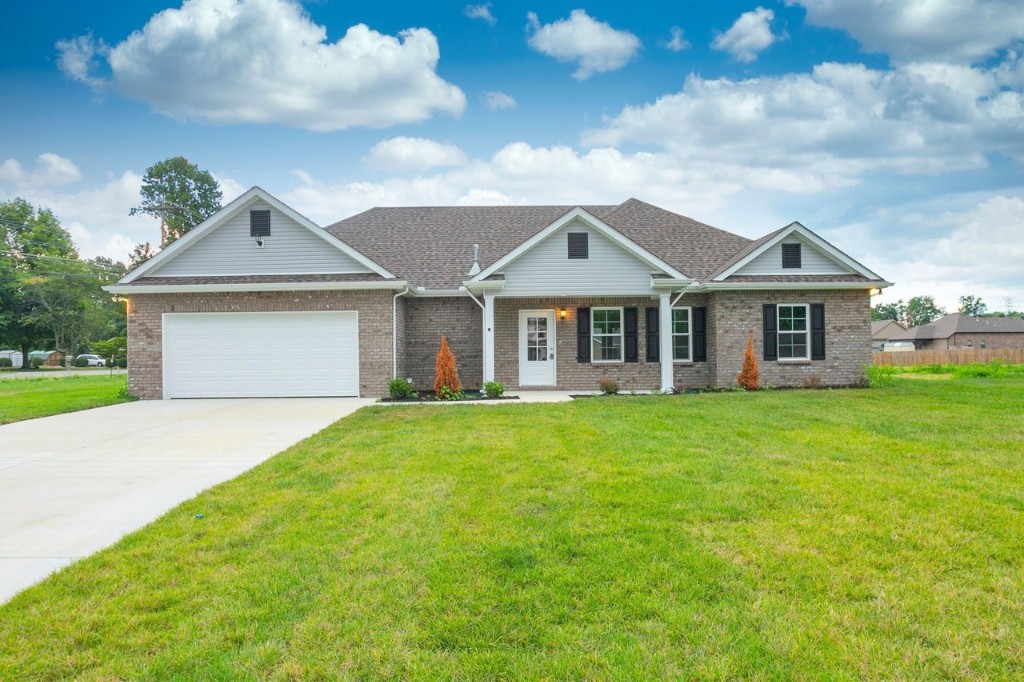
<point x="578" y="246"/>
<point x="259" y="223"/>
<point x="791" y="255"/>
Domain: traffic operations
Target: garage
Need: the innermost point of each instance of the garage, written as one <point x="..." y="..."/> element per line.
<point x="260" y="355"/>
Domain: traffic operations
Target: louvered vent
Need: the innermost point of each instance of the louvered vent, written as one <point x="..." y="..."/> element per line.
<point x="259" y="223"/>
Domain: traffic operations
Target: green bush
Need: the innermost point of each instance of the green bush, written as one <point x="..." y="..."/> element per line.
<point x="399" y="388"/>
<point x="608" y="386"/>
<point x="448" y="394"/>
<point x="494" y="389"/>
<point x="35" y="363"/>
<point x="81" y="362"/>
<point x="122" y="363"/>
<point x="6" y="362"/>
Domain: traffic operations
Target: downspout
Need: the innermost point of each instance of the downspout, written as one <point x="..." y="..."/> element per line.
<point x="394" y="331"/>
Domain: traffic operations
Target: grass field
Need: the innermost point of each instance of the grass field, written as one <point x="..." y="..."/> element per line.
<point x="30" y="398"/>
<point x="777" y="535"/>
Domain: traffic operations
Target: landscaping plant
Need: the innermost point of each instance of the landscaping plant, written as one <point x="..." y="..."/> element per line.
<point x="494" y="389"/>
<point x="750" y="376"/>
<point x="399" y="388"/>
<point x="446" y="377"/>
<point x="608" y="386"/>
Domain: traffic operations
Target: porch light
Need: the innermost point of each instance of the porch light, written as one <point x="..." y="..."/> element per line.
<point x="562" y="312"/>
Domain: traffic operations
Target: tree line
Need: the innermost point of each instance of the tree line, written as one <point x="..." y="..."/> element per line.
<point x="51" y="296"/>
<point x="921" y="310"/>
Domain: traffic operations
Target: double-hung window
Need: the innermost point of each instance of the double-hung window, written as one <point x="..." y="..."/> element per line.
<point x="794" y="332"/>
<point x="606" y="334"/>
<point x="681" y="342"/>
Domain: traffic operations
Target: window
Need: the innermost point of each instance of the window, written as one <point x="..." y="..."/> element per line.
<point x="606" y="334"/>
<point x="791" y="256"/>
<point x="578" y="244"/>
<point x="970" y="343"/>
<point x="982" y="344"/>
<point x="259" y="223"/>
<point x="681" y="335"/>
<point x="793" y="332"/>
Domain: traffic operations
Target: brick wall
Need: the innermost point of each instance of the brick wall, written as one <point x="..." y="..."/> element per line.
<point x="993" y="341"/>
<point x="145" y="362"/>
<point x="426" y="319"/>
<point x="847" y="337"/>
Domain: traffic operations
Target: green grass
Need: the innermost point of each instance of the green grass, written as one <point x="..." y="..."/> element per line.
<point x="775" y="535"/>
<point x="22" y="399"/>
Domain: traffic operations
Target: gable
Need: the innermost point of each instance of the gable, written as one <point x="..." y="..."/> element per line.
<point x="546" y="268"/>
<point x="812" y="261"/>
<point x="228" y="249"/>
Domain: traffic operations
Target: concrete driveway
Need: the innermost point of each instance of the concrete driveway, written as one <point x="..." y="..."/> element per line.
<point x="75" y="483"/>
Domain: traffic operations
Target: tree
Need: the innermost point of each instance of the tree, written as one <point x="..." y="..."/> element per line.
<point x="972" y="305"/>
<point x="446" y="377"/>
<point x="140" y="254"/>
<point x="67" y="301"/>
<point x="180" y="194"/>
<point x="750" y="376"/>
<point x="32" y="242"/>
<point x="890" y="311"/>
<point x="922" y="310"/>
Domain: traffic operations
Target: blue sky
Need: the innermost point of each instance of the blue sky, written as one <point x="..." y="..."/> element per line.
<point x="893" y="129"/>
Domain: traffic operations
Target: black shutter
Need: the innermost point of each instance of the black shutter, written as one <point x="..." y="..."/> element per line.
<point x="653" y="343"/>
<point x="817" y="331"/>
<point x="771" y="338"/>
<point x="578" y="245"/>
<point x="583" y="335"/>
<point x="700" y="334"/>
<point x="629" y="326"/>
<point x="259" y="223"/>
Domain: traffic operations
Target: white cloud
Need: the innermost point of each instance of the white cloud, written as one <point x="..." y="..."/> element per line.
<point x="481" y="12"/>
<point x="677" y="43"/>
<point x="496" y="100"/>
<point x="832" y="127"/>
<point x="265" y="61"/>
<point x="748" y="36"/>
<point x="50" y="169"/>
<point x="413" y="154"/>
<point x="594" y="45"/>
<point x="924" y="30"/>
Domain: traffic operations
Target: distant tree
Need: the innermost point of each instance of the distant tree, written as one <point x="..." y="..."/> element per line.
<point x="140" y="254"/>
<point x="921" y="310"/>
<point x="890" y="311"/>
<point x="972" y="305"/>
<point x="66" y="301"/>
<point x="180" y="194"/>
<point x="750" y="376"/>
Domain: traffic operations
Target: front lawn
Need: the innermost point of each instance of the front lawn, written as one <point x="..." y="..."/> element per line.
<point x="777" y="535"/>
<point x="41" y="397"/>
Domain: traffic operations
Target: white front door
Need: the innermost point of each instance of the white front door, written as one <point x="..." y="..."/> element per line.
<point x="536" y="348"/>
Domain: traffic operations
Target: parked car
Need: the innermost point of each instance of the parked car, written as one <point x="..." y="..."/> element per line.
<point x="92" y="360"/>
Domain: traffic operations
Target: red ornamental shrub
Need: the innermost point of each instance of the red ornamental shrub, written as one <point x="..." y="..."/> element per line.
<point x="445" y="374"/>
<point x="750" y="376"/>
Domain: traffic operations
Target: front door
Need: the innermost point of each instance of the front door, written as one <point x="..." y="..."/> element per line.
<point x="536" y="348"/>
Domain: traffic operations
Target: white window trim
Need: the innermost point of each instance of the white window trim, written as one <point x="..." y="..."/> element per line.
<point x="688" y="335"/>
<point x="779" y="332"/>
<point x="622" y="336"/>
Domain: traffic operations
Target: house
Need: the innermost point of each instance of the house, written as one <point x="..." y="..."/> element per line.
<point x="882" y="331"/>
<point x="531" y="296"/>
<point x="957" y="331"/>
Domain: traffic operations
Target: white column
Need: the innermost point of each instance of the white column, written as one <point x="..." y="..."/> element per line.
<point x="665" y="340"/>
<point x="488" y="338"/>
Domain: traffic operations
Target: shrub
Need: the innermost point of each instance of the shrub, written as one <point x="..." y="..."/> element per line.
<point x="81" y="362"/>
<point x="445" y="374"/>
<point x="122" y="363"/>
<point x="6" y="362"/>
<point x="35" y="363"/>
<point x="608" y="386"/>
<point x="447" y="394"/>
<point x="399" y="388"/>
<point x="750" y="376"/>
<point x="494" y="389"/>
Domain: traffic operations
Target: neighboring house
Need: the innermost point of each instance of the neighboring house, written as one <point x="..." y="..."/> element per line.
<point x="884" y="330"/>
<point x="532" y="296"/>
<point x="959" y="332"/>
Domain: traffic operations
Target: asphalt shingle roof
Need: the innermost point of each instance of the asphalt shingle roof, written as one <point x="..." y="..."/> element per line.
<point x="958" y="323"/>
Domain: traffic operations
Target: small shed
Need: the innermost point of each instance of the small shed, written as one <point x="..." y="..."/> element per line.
<point x="14" y="355"/>
<point x="48" y="358"/>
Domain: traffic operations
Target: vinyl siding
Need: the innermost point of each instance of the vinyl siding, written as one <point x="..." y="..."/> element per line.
<point x="812" y="262"/>
<point x="289" y="250"/>
<point x="547" y="270"/>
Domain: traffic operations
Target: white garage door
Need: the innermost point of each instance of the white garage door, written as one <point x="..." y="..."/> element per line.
<point x="260" y="355"/>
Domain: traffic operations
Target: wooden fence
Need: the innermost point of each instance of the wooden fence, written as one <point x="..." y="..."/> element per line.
<point x="949" y="357"/>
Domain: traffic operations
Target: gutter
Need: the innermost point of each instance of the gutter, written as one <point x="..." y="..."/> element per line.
<point x="252" y="286"/>
<point x="394" y="332"/>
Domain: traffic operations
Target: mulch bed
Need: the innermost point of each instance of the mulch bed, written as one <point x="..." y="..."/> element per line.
<point x="431" y="397"/>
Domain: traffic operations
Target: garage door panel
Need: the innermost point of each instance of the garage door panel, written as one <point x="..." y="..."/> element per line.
<point x="288" y="354"/>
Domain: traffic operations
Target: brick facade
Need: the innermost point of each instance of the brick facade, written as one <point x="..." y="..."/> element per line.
<point x="979" y="340"/>
<point x="847" y="337"/>
<point x="426" y="319"/>
<point x="145" y="343"/>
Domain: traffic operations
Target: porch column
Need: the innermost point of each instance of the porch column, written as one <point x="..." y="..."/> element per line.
<point x="665" y="340"/>
<point x="488" y="338"/>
